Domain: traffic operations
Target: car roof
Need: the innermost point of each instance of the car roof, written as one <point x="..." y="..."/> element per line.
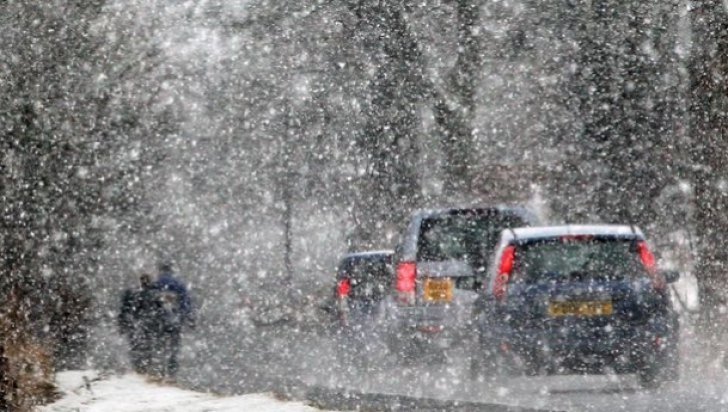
<point x="520" y="211"/>
<point x="368" y="254"/>
<point x="528" y="233"/>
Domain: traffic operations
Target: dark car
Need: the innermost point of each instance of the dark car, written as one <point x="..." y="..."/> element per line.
<point x="578" y="299"/>
<point x="362" y="281"/>
<point x="440" y="262"/>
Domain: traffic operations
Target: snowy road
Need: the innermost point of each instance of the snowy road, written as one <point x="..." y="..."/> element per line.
<point x="703" y="387"/>
<point x="573" y="393"/>
<point x="312" y="361"/>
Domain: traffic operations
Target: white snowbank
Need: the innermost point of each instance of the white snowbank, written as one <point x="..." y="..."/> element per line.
<point x="86" y="391"/>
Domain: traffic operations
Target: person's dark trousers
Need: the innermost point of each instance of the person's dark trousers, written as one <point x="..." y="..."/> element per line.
<point x="141" y="352"/>
<point x="170" y="349"/>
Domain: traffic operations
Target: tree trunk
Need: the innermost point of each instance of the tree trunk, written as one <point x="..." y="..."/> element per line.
<point x="709" y="107"/>
<point x="391" y="187"/>
<point x="455" y="107"/>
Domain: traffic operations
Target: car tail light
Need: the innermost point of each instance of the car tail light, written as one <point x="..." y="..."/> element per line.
<point x="343" y="288"/>
<point x="648" y="260"/>
<point x="508" y="258"/>
<point x="406" y="275"/>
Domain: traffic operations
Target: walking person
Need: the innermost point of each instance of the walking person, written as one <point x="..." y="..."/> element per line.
<point x="176" y="314"/>
<point x="139" y="322"/>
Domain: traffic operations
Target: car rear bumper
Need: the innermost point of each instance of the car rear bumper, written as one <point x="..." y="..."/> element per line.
<point x="438" y="326"/>
<point x="623" y="350"/>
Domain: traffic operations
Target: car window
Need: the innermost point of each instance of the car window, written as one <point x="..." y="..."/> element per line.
<point x="462" y="237"/>
<point x="370" y="277"/>
<point x="368" y="269"/>
<point x="579" y="260"/>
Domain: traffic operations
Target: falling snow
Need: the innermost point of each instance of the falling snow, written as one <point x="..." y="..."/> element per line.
<point x="255" y="144"/>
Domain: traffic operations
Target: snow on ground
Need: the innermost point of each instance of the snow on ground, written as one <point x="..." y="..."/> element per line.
<point x="87" y="391"/>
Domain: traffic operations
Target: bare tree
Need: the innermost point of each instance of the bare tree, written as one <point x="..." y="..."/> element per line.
<point x="708" y="108"/>
<point x="455" y="103"/>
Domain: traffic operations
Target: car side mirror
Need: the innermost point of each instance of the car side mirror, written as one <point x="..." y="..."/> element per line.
<point x="671" y="276"/>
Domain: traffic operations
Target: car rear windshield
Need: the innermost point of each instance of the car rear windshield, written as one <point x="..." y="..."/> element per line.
<point x="369" y="277"/>
<point x="471" y="237"/>
<point x="578" y="259"/>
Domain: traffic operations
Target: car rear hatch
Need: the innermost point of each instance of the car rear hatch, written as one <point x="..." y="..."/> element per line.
<point x="445" y="294"/>
<point x="580" y="293"/>
<point x="453" y="251"/>
<point x="362" y="284"/>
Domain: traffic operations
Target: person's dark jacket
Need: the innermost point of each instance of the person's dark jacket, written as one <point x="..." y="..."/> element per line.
<point x="177" y="312"/>
<point x="140" y="312"/>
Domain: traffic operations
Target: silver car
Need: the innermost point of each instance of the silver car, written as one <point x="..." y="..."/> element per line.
<point x="440" y="262"/>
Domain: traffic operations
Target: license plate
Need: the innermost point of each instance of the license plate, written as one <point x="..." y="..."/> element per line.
<point x="438" y="289"/>
<point x="580" y="309"/>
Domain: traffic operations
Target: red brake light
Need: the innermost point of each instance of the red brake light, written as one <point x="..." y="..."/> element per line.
<point x="406" y="275"/>
<point x="646" y="256"/>
<point x="508" y="258"/>
<point x="343" y="288"/>
<point x="648" y="260"/>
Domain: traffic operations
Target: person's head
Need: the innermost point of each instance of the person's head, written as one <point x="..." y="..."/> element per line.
<point x="165" y="267"/>
<point x="145" y="279"/>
